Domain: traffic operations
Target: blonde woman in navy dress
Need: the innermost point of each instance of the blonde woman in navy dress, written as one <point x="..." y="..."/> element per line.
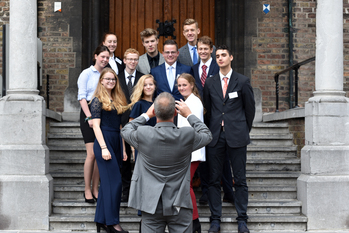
<point x="190" y="93"/>
<point x="142" y="97"/>
<point x="107" y="106"/>
<point x="87" y="83"/>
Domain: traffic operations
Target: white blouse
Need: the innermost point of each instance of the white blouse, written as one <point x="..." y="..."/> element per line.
<point x="196" y="107"/>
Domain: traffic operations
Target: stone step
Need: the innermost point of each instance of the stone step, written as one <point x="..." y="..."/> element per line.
<point x="76" y="165"/>
<point x="268" y="222"/>
<point x="254" y="192"/>
<point x="269" y="128"/>
<point x="80" y="207"/>
<point x="58" y="151"/>
<point x="285" y="178"/>
<point x="256" y="140"/>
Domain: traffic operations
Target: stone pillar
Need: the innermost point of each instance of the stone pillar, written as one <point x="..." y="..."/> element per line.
<point x="323" y="186"/>
<point x="25" y="184"/>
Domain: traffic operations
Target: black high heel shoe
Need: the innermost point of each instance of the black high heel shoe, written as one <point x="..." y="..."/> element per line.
<point x="113" y="230"/>
<point x="196" y="226"/>
<point x="91" y="201"/>
<point x="94" y="198"/>
<point x="100" y="225"/>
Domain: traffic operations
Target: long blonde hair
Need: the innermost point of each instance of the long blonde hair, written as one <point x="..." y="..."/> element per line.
<point x="117" y="95"/>
<point x="138" y="93"/>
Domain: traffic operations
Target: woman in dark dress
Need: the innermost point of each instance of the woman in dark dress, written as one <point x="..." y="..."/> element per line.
<point x="142" y="97"/>
<point x="108" y="104"/>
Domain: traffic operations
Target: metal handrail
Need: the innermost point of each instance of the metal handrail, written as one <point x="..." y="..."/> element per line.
<point x="295" y="67"/>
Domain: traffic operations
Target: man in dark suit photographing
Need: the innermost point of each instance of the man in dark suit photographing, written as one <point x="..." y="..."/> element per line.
<point x="230" y="105"/>
<point x="160" y="183"/>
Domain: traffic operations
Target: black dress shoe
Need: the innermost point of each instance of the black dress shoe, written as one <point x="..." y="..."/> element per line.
<point x="91" y="201"/>
<point x="196" y="226"/>
<point x="214" y="229"/>
<point x="242" y="228"/>
<point x="100" y="225"/>
<point x="113" y="230"/>
<point x="203" y="199"/>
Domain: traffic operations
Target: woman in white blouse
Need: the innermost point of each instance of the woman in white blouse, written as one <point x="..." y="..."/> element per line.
<point x="187" y="88"/>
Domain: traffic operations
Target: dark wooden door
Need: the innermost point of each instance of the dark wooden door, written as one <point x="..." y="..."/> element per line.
<point x="127" y="18"/>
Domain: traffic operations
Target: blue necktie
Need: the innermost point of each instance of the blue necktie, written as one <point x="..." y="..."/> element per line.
<point x="195" y="56"/>
<point x="170" y="77"/>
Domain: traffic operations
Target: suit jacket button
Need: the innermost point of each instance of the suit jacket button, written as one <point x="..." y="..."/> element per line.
<point x="223" y="104"/>
<point x="223" y="113"/>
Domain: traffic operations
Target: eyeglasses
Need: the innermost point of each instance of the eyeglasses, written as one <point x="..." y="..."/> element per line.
<point x="170" y="52"/>
<point x="131" y="59"/>
<point x="110" y="79"/>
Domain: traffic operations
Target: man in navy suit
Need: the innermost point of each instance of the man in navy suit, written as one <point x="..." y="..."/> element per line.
<point x="230" y="106"/>
<point x="188" y="54"/>
<point x="206" y="68"/>
<point x="166" y="74"/>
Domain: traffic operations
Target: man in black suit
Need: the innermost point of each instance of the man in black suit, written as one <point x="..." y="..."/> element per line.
<point x="230" y="105"/>
<point x="128" y="79"/>
<point x="206" y="68"/>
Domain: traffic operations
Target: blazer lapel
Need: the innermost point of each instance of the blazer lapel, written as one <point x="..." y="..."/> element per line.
<point x="163" y="71"/>
<point x="187" y="54"/>
<point x="218" y="86"/>
<point x="144" y="62"/>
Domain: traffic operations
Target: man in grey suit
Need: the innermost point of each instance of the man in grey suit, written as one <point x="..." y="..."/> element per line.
<point x="188" y="54"/>
<point x="160" y="183"/>
<point x="152" y="58"/>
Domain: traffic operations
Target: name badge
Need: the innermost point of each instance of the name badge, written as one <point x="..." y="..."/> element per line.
<point x="233" y="95"/>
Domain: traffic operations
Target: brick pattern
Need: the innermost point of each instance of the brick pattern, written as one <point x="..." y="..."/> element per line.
<point x="296" y="127"/>
<point x="271" y="46"/>
<point x="4" y="19"/>
<point x="58" y="54"/>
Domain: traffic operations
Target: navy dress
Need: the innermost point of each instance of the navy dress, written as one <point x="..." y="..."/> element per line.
<point x="109" y="196"/>
<point x="141" y="107"/>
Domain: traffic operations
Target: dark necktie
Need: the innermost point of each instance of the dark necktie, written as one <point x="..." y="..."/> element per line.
<point x="203" y="75"/>
<point x="129" y="84"/>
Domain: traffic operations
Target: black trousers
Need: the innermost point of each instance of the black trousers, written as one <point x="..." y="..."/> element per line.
<point x="216" y="159"/>
<point x="126" y="173"/>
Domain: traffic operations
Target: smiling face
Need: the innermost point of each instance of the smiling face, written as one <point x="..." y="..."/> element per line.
<point x="184" y="87"/>
<point x="131" y="62"/>
<point x="111" y="42"/>
<point x="108" y="81"/>
<point x="191" y="33"/>
<point x="223" y="58"/>
<point x="151" y="44"/>
<point x="102" y="60"/>
<point x="148" y="88"/>
<point x="170" y="54"/>
<point x="204" y="51"/>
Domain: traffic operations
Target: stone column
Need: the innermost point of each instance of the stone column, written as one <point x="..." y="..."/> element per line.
<point x="323" y="186"/>
<point x="25" y="184"/>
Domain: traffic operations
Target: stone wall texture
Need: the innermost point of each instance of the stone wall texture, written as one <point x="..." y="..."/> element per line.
<point x="270" y="46"/>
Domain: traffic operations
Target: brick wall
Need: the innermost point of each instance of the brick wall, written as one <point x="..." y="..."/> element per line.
<point x="296" y="128"/>
<point x="272" y="51"/>
<point x="58" y="54"/>
<point x="4" y="19"/>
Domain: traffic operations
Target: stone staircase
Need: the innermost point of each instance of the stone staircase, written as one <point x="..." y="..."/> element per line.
<point x="272" y="172"/>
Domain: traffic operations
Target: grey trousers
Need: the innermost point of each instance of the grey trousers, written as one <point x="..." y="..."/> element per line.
<point x="156" y="223"/>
